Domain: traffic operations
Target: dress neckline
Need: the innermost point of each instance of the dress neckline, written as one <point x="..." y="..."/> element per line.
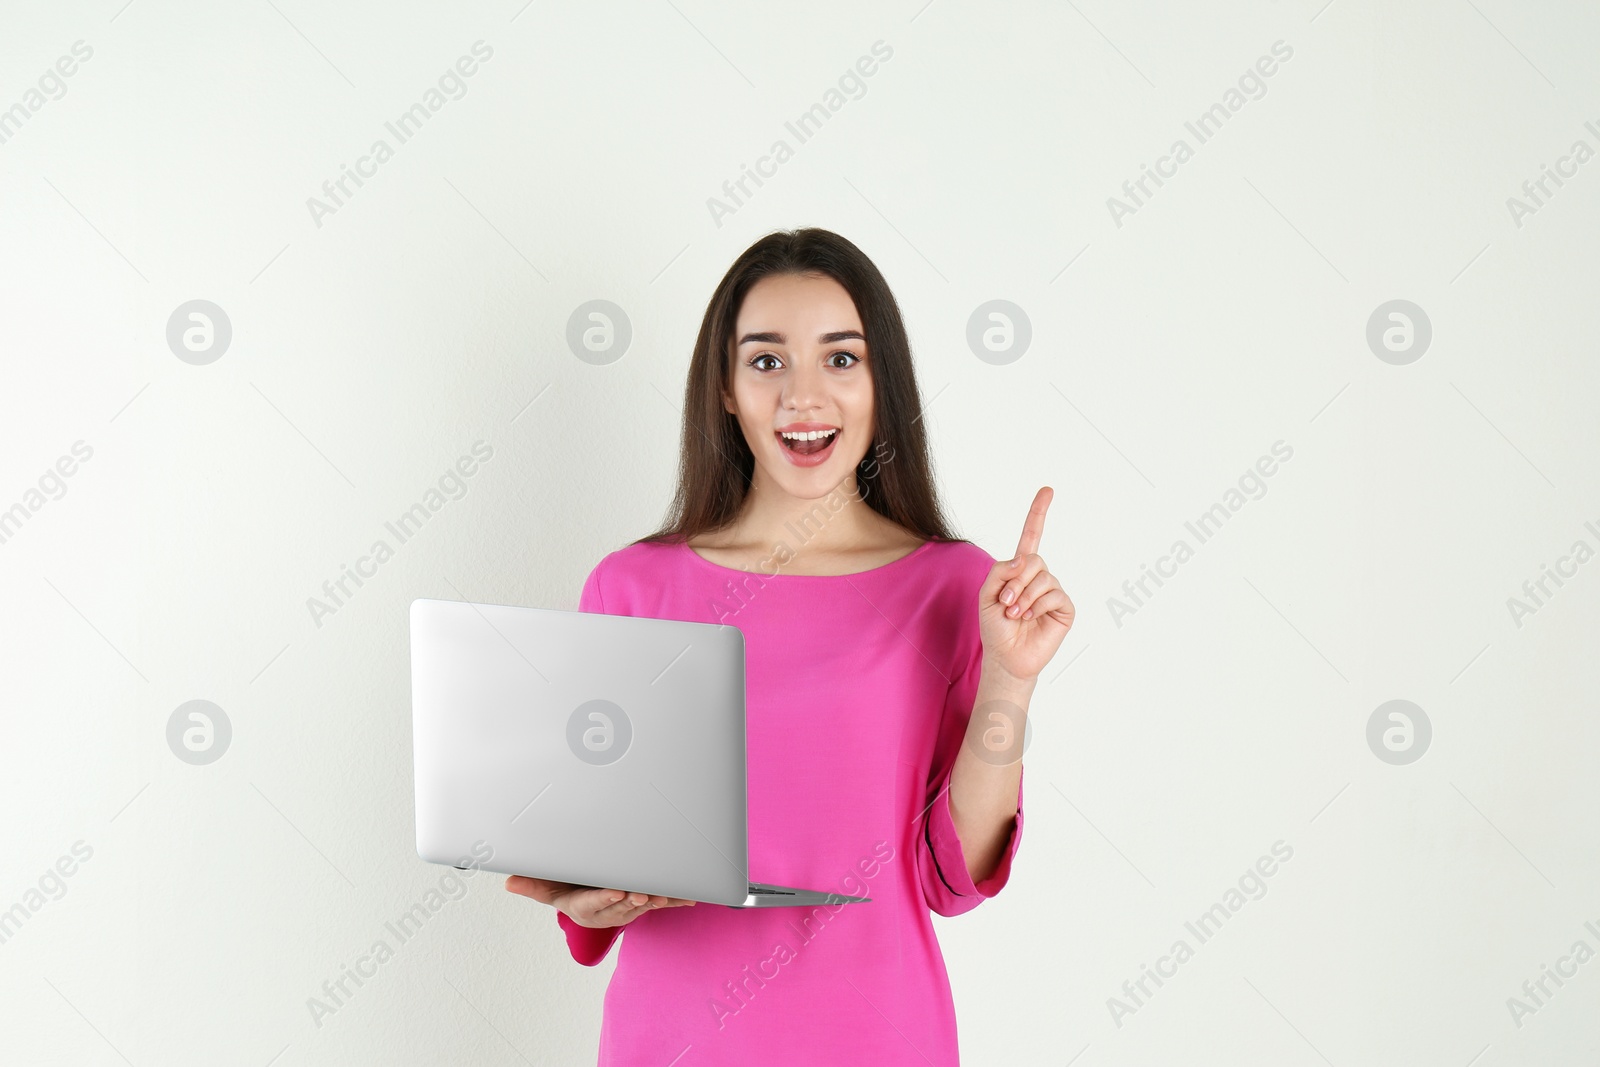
<point x="854" y="574"/>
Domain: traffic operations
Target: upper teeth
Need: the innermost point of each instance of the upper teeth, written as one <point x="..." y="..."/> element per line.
<point x="807" y="435"/>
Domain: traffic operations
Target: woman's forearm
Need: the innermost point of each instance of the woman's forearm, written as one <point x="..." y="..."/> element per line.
<point x="988" y="769"/>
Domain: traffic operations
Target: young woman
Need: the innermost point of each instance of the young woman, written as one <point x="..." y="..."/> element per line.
<point x="889" y="666"/>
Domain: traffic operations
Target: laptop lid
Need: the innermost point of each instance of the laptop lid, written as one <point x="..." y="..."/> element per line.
<point x="602" y="750"/>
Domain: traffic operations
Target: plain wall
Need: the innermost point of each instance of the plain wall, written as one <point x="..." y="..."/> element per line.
<point x="1174" y="341"/>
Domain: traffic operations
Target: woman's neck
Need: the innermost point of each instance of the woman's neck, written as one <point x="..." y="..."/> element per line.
<point x="833" y="533"/>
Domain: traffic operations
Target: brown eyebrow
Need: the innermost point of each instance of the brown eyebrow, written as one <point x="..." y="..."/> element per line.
<point x="772" y="338"/>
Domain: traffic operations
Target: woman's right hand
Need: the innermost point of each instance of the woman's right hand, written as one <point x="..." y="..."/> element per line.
<point x="595" y="908"/>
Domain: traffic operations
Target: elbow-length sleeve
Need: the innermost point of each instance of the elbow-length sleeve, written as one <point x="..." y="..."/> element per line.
<point x="946" y="885"/>
<point x="587" y="945"/>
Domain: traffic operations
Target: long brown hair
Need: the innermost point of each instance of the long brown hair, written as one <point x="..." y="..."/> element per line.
<point x="894" y="478"/>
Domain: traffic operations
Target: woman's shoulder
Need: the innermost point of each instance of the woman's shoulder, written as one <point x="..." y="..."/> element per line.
<point x="614" y="583"/>
<point x="638" y="558"/>
<point x="960" y="556"/>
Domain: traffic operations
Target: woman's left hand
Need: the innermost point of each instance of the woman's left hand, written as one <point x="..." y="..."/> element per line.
<point x="1023" y="613"/>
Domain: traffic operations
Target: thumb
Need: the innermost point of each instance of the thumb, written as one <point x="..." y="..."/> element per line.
<point x="1002" y="572"/>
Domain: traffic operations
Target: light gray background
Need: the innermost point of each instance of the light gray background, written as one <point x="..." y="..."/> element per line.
<point x="1167" y="355"/>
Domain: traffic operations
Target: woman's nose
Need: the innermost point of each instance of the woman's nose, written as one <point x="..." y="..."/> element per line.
<point x="802" y="388"/>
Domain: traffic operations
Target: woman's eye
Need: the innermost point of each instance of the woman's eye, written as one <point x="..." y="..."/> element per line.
<point x="755" y="361"/>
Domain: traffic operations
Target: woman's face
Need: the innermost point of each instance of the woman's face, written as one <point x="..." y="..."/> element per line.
<point x="800" y="364"/>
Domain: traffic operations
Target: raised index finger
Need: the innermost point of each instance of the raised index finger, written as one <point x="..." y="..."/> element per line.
<point x="1033" y="528"/>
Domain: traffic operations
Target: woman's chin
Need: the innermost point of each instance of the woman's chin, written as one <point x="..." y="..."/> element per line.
<point x="811" y="483"/>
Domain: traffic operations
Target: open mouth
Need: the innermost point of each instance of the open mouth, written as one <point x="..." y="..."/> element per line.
<point x="812" y="446"/>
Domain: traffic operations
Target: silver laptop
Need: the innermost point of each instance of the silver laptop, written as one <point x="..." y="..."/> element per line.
<point x="601" y="750"/>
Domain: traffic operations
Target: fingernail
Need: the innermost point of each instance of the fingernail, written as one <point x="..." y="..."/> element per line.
<point x="1014" y="562"/>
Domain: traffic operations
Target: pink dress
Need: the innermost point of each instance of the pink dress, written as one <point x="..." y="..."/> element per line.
<point x="858" y="692"/>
